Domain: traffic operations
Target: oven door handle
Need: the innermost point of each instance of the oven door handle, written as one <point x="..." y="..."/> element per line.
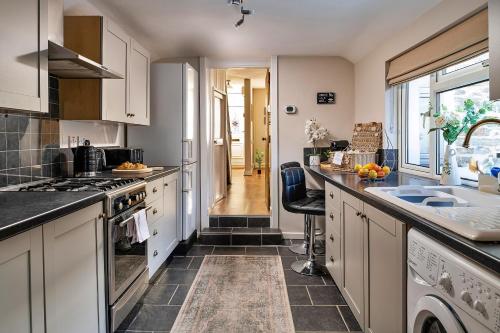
<point x="124" y="222"/>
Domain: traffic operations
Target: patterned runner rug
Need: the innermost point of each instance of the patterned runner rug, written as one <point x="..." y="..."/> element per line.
<point x="233" y="294"/>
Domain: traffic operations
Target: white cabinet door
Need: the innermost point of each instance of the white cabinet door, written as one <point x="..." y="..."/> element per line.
<point x="74" y="272"/>
<point x="21" y="283"/>
<point x="139" y="84"/>
<point x="23" y="59"/>
<point x="116" y="53"/>
<point x="171" y="192"/>
<point x="354" y="235"/>
<point x="386" y="274"/>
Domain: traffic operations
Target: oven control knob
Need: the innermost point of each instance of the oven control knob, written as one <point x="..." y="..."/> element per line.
<point x="479" y="307"/>
<point x="135" y="197"/>
<point x="118" y="205"/>
<point x="466" y="297"/>
<point x="127" y="202"/>
<point x="142" y="195"/>
<point x="445" y="281"/>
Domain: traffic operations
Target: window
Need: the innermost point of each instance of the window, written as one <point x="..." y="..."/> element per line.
<point x="422" y="151"/>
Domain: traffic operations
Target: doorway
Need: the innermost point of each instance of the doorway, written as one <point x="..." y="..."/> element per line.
<point x="240" y="142"/>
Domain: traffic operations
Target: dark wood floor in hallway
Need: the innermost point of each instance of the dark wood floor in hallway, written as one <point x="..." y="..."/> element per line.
<point x="316" y="303"/>
<point x="245" y="196"/>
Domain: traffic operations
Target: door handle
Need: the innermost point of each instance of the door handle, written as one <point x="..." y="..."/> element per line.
<point x="155" y="189"/>
<point x="155" y="211"/>
<point x="155" y="232"/>
<point x="331" y="195"/>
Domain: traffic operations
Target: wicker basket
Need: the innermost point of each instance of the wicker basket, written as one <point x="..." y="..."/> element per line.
<point x="360" y="158"/>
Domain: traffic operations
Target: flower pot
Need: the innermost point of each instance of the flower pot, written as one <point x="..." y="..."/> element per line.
<point x="314" y="160"/>
<point x="449" y="173"/>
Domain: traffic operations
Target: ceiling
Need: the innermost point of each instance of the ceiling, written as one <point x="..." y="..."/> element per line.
<point x="182" y="28"/>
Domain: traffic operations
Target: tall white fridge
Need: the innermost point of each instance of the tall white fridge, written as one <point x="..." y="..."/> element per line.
<point x="172" y="138"/>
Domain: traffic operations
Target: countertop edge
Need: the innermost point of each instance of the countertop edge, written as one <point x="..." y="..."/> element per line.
<point x="48" y="216"/>
<point x="431" y="229"/>
<point x="160" y="174"/>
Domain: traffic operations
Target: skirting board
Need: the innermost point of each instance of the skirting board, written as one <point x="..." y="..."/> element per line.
<point x="293" y="235"/>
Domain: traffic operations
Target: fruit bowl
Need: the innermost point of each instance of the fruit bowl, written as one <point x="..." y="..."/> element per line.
<point x="372" y="172"/>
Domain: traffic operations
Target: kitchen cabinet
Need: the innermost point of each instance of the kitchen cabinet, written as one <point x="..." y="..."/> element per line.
<point x="365" y="254"/>
<point x="494" y="47"/>
<point x="120" y="100"/>
<point x="163" y="195"/>
<point x="73" y="254"/>
<point x="386" y="278"/>
<point x="139" y="83"/>
<point x="354" y="258"/>
<point x="23" y="60"/>
<point x="21" y="283"/>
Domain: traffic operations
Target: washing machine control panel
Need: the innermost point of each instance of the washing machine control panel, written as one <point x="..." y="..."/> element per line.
<point x="460" y="281"/>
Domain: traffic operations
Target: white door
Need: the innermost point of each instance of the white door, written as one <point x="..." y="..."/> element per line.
<point x="219" y="147"/>
<point x="190" y="115"/>
<point x="139" y="84"/>
<point x="116" y="57"/>
<point x="21" y="283"/>
<point x="23" y="59"/>
<point x="189" y="199"/>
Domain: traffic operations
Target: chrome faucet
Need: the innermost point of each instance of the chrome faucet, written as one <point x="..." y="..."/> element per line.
<point x="474" y="128"/>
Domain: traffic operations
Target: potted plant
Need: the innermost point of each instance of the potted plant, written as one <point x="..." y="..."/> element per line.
<point x="315" y="133"/>
<point x="259" y="158"/>
<point x="452" y="124"/>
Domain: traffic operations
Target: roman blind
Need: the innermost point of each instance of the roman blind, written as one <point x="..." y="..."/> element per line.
<point x="460" y="42"/>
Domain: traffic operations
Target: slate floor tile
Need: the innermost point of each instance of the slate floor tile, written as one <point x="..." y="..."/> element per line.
<point x="287" y="262"/>
<point x="180" y="262"/>
<point x="326" y="295"/>
<point x="349" y="318"/>
<point x="177" y="276"/>
<point x="180" y="295"/>
<point x="285" y="251"/>
<point x="200" y="250"/>
<point x="297" y="295"/>
<point x="328" y="280"/>
<point x="228" y="250"/>
<point x="271" y="250"/>
<point x="159" y="294"/>
<point x="196" y="263"/>
<point x="155" y="318"/>
<point x="317" y="318"/>
<point x="295" y="279"/>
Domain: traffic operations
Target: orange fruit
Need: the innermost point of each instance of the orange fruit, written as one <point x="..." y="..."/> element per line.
<point x="380" y="174"/>
<point x="377" y="167"/>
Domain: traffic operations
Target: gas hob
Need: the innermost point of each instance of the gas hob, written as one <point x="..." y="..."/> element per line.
<point x="79" y="185"/>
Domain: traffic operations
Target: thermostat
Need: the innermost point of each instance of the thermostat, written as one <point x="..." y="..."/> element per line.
<point x="290" y="109"/>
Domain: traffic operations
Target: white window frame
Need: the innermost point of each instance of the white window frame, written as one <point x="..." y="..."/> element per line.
<point x="439" y="83"/>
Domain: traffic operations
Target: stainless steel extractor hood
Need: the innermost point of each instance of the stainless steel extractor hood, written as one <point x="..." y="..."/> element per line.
<point x="67" y="64"/>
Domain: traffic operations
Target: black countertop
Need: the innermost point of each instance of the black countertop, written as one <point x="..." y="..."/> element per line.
<point x="485" y="253"/>
<point x="21" y="211"/>
<point x="167" y="170"/>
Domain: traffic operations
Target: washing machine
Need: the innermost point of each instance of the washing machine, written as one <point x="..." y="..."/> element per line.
<point x="448" y="293"/>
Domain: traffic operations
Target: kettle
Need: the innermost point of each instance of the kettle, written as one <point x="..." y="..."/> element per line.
<point x="87" y="160"/>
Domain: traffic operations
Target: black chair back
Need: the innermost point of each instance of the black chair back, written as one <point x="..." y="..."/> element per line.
<point x="289" y="165"/>
<point x="294" y="186"/>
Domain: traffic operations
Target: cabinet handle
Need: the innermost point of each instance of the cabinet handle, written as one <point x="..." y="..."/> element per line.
<point x="101" y="216"/>
<point x="155" y="189"/>
<point x="155" y="253"/>
<point x="166" y="184"/>
<point x="331" y="259"/>
<point x="331" y="215"/>
<point x="331" y="237"/>
<point x="155" y="232"/>
<point x="363" y="216"/>
<point x="155" y="211"/>
<point x="331" y="195"/>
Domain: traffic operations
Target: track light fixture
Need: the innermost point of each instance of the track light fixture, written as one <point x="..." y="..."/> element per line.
<point x="243" y="11"/>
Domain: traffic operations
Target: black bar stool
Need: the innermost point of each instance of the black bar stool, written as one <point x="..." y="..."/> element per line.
<point x="312" y="193"/>
<point x="295" y="200"/>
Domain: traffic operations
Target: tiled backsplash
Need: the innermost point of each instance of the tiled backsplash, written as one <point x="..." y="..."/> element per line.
<point x="29" y="144"/>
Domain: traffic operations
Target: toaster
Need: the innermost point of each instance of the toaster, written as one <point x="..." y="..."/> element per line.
<point x="117" y="155"/>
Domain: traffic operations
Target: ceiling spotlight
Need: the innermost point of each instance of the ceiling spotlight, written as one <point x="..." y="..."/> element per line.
<point x="240" y="21"/>
<point x="235" y="2"/>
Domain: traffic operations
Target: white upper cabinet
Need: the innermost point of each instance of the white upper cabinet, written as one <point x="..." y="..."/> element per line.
<point x="116" y="53"/>
<point x="139" y="84"/>
<point x="23" y="59"/>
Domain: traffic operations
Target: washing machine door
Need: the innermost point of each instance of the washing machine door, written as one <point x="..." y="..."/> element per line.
<point x="431" y="315"/>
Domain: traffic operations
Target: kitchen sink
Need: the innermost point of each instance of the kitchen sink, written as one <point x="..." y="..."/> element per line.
<point x="466" y="211"/>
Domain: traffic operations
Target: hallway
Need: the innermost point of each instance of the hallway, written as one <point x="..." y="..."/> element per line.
<point x="245" y="196"/>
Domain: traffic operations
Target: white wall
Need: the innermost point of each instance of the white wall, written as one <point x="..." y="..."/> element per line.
<point x="299" y="79"/>
<point x="373" y="101"/>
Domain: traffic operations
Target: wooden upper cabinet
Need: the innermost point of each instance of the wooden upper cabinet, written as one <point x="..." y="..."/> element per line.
<point x="139" y="77"/>
<point x="23" y="59"/>
<point x="122" y="100"/>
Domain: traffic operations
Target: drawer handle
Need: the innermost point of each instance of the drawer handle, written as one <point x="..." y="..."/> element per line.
<point x="331" y="195"/>
<point x="358" y="213"/>
<point x="155" y="232"/>
<point x="331" y="237"/>
<point x="155" y="253"/>
<point x="331" y="215"/>
<point x="331" y="259"/>
<point x="155" y="189"/>
<point x="155" y="211"/>
<point x="166" y="184"/>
